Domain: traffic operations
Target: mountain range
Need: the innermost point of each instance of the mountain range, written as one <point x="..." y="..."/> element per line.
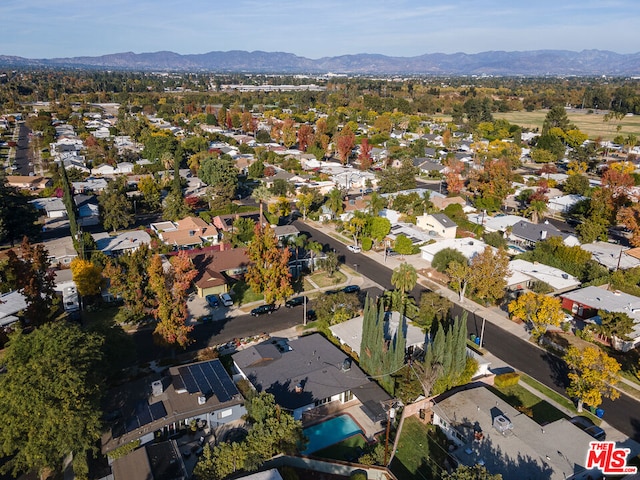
<point x="499" y="63"/>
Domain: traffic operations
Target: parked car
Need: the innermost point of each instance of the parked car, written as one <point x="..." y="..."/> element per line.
<point x="354" y="248"/>
<point x="213" y="300"/>
<point x="351" y="289"/>
<point x="311" y="315"/>
<point x="262" y="309"/>
<point x="585" y="423"/>
<point x="226" y="299"/>
<point x="294" y="302"/>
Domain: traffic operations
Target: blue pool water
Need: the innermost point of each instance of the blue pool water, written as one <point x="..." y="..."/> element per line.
<point x="327" y="433"/>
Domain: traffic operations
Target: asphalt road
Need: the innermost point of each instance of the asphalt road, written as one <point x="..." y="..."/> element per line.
<point x="623" y="414"/>
<point x="23" y="154"/>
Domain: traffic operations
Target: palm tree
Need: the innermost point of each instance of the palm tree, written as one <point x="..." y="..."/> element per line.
<point x="334" y="201"/>
<point x="404" y="277"/>
<point x="536" y="209"/>
<point x="376" y="203"/>
<point x="261" y="195"/>
<point x="314" y="249"/>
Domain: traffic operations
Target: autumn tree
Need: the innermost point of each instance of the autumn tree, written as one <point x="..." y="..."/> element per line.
<point x="364" y="157"/>
<point x="151" y="193"/>
<point x="453" y="175"/>
<point x="592" y="375"/>
<point x="345" y="142"/>
<point x="51" y="385"/>
<point x="170" y="288"/>
<point x="268" y="272"/>
<point x="630" y="218"/>
<point x="115" y="207"/>
<point x="487" y="276"/>
<point x="35" y="280"/>
<point x="305" y="137"/>
<point x="538" y="310"/>
<point x="459" y="272"/>
<point x="129" y="280"/>
<point x="87" y="277"/>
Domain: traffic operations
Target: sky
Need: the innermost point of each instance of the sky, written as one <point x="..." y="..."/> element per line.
<point x="314" y="29"/>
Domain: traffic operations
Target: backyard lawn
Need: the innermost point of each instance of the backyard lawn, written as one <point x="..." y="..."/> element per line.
<point x="350" y="449"/>
<point x="421" y="452"/>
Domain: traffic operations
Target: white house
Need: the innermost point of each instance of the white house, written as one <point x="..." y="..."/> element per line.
<point x="439" y="223"/>
<point x="469" y="247"/>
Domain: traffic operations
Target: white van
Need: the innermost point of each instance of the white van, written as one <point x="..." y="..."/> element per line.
<point x="226" y="299"/>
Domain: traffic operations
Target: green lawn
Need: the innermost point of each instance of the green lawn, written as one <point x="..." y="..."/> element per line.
<point x="323" y="280"/>
<point x="243" y="294"/>
<point x="555" y="396"/>
<point x="349" y="449"/>
<point x="541" y="411"/>
<point x="421" y="452"/>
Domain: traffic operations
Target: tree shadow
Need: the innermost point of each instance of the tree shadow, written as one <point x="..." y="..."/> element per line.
<point x="558" y="369"/>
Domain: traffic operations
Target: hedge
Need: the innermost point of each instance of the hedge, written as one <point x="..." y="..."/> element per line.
<point x="506" y="379"/>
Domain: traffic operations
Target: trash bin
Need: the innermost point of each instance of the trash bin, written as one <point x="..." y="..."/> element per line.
<point x="477" y="340"/>
<point x="599" y="412"/>
<point x="473" y="337"/>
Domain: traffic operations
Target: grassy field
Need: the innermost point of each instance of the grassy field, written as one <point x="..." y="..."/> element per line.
<point x="590" y="123"/>
<point x="421" y="452"/>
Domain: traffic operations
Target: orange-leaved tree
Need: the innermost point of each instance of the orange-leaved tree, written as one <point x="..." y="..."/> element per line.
<point x="269" y="272"/>
<point x="170" y="287"/>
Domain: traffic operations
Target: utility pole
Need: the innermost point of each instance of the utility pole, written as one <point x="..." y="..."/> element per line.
<point x="391" y="413"/>
<point x="304" y="309"/>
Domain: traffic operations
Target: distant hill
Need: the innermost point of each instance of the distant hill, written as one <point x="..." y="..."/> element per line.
<point x="529" y="63"/>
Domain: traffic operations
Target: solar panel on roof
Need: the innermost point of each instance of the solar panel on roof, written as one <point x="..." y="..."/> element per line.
<point x="187" y="378"/>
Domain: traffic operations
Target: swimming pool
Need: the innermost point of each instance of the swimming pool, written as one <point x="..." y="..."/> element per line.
<point x="327" y="433"/>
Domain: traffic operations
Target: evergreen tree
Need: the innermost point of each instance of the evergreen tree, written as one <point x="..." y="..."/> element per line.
<point x="70" y="205"/>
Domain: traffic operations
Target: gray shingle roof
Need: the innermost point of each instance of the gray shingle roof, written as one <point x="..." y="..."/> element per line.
<point x="310" y="361"/>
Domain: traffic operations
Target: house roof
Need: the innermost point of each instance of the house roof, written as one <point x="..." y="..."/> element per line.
<point x="350" y="332"/>
<point x="120" y="243"/>
<point x="613" y="256"/>
<point x="556" y="278"/>
<point x="173" y="404"/>
<point x="285" y="230"/>
<point x="189" y="231"/>
<point x="225" y="222"/>
<point x="534" y="232"/>
<point x="10" y="304"/>
<point x="310" y="361"/>
<point x="469" y="247"/>
<point x="444" y="220"/>
<point x="555" y="452"/>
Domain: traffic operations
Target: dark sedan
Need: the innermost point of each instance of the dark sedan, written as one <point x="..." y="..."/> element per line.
<point x="295" y="302"/>
<point x="262" y="309"/>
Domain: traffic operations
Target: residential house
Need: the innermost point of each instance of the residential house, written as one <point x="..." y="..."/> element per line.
<point x="156" y="407"/>
<point x="586" y="302"/>
<point x="349" y="333"/>
<point x="217" y="268"/>
<point x="438" y="223"/>
<point x="428" y="166"/>
<point x="88" y="209"/>
<point x="125" y="242"/>
<point x="499" y="223"/>
<point x="285" y="233"/>
<point x="529" y="234"/>
<point x="28" y="183"/>
<point x="469" y="247"/>
<point x="11" y="303"/>
<point x="612" y="256"/>
<point x="224" y="223"/>
<point x="557" y="279"/>
<point x="486" y="430"/>
<point x="410" y="231"/>
<point x="441" y="201"/>
<point x="89" y="185"/>
<point x="53" y="207"/>
<point x="154" y="461"/>
<point x="563" y="203"/>
<point x="307" y="373"/>
<point x="190" y="232"/>
<point x="61" y="251"/>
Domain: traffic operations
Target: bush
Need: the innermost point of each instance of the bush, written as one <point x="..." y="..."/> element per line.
<point x="506" y="379"/>
<point x="123" y="450"/>
<point x="358" y="475"/>
<point x="367" y="243"/>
